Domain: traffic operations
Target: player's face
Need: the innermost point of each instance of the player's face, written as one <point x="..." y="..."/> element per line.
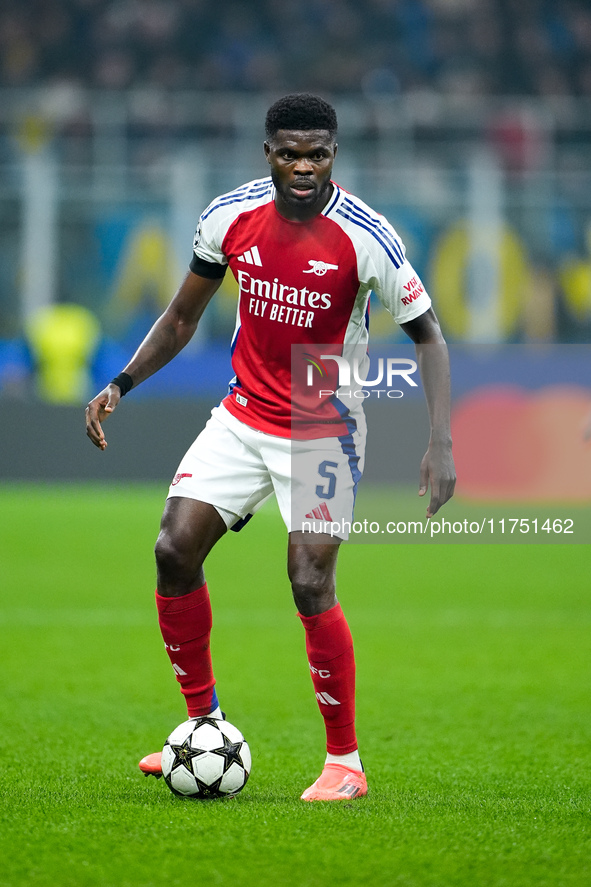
<point x="301" y="165"/>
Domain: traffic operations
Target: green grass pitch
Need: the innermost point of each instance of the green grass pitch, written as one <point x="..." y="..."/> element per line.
<point x="474" y="709"/>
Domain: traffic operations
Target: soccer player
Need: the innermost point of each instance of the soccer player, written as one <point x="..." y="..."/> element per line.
<point x="306" y="255"/>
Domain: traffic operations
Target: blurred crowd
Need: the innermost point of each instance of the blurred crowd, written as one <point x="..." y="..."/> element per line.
<point x="477" y="47"/>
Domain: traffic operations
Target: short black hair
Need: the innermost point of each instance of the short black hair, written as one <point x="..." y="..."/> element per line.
<point x="301" y="110"/>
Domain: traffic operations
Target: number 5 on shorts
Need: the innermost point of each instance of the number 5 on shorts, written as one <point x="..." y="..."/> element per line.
<point x="323" y="471"/>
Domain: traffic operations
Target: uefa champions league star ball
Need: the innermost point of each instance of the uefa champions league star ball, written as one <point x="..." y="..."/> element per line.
<point x="206" y="758"/>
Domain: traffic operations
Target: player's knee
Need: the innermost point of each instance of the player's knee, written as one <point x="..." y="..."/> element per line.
<point x="175" y="561"/>
<point x="313" y="588"/>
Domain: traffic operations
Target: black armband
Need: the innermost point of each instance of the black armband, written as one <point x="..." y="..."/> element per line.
<point x="211" y="270"/>
<point x="124" y="382"/>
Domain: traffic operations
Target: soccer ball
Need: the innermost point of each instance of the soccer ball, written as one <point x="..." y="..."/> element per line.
<point x="206" y="758"/>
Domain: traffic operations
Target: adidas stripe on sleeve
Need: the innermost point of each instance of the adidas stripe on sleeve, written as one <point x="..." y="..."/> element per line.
<point x="383" y="265"/>
<point x="221" y="212"/>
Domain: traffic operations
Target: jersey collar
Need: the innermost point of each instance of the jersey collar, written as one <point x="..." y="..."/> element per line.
<point x="334" y="199"/>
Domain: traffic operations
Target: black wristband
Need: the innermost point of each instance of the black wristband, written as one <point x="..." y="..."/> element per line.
<point x="124" y="382"/>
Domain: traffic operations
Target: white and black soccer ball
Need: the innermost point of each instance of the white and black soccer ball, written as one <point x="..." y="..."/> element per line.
<point x="206" y="758"/>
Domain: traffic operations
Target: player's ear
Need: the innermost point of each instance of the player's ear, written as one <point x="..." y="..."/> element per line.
<point x="267" y="150"/>
<point x="335" y="149"/>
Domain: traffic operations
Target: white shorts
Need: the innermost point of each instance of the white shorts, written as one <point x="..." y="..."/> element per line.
<point x="236" y="469"/>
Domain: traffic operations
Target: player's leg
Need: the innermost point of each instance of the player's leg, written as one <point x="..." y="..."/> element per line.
<point x="323" y="483"/>
<point x="329" y="645"/>
<point x="188" y="532"/>
<point x="311" y="568"/>
<point x="218" y="468"/>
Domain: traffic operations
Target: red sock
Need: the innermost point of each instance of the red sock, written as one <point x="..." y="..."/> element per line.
<point x="332" y="664"/>
<point x="185" y="623"/>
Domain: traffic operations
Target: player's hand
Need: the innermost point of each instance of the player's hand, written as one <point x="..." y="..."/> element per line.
<point x="99" y="409"/>
<point x="438" y="472"/>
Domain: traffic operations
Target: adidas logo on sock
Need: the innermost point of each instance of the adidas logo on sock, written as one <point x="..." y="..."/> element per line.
<point x="326" y="699"/>
<point x="251" y="257"/>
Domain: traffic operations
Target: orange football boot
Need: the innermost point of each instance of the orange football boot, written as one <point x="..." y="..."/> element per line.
<point x="151" y="765"/>
<point x="337" y="783"/>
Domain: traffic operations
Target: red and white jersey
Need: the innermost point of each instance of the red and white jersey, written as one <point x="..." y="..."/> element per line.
<point x="303" y="283"/>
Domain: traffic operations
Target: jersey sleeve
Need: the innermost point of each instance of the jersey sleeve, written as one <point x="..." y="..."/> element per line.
<point x="209" y="259"/>
<point x="395" y="281"/>
<point x="207" y="243"/>
<point x="401" y="291"/>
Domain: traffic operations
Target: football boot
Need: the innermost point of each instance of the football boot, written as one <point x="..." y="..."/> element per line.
<point x="337" y="783"/>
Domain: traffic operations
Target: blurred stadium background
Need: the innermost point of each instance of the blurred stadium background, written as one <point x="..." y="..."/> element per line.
<point x="467" y="122"/>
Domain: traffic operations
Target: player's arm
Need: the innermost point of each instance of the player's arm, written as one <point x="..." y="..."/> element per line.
<point x="437" y="466"/>
<point x="169" y="335"/>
